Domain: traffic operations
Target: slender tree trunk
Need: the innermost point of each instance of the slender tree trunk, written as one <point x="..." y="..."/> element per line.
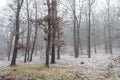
<point x="19" y="5"/>
<point x="28" y="35"/>
<point x="10" y="46"/>
<point x="54" y="15"/>
<point x="75" y="34"/>
<point x="78" y="31"/>
<point x="34" y="42"/>
<point x="23" y="41"/>
<point x="89" y="32"/>
<point x="36" y="50"/>
<point x="58" y="48"/>
<point x="49" y="36"/>
<point x="77" y="39"/>
<point x="95" y="49"/>
<point x="105" y="41"/>
<point x="53" y="49"/>
<point x="58" y="53"/>
<point x="109" y="28"/>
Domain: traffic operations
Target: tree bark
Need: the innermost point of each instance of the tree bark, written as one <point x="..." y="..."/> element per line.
<point x="75" y="34"/>
<point x="89" y="32"/>
<point x="54" y="27"/>
<point x="10" y="46"/>
<point x="19" y="5"/>
<point x="27" y="50"/>
<point x="49" y="36"/>
<point x="36" y="28"/>
<point x="105" y="41"/>
<point x="109" y="29"/>
<point x="58" y="48"/>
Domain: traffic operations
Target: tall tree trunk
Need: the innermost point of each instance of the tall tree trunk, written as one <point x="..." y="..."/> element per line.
<point x="36" y="47"/>
<point x="109" y="28"/>
<point x="10" y="46"/>
<point x="58" y="48"/>
<point x="54" y="16"/>
<point x="34" y="42"/>
<point x="19" y="5"/>
<point x="49" y="36"/>
<point x="89" y="32"/>
<point x="78" y="40"/>
<point x="28" y="35"/>
<point x="95" y="49"/>
<point x="78" y="30"/>
<point x="53" y="49"/>
<point x="75" y="34"/>
<point x="105" y="41"/>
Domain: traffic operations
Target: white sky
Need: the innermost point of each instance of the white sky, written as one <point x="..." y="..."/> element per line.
<point x="2" y="3"/>
<point x="101" y="3"/>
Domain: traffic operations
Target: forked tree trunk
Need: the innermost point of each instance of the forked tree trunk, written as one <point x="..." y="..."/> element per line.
<point x="27" y="50"/>
<point x="19" y="5"/>
<point x="34" y="42"/>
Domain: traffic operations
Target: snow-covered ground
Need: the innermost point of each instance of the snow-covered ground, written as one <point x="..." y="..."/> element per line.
<point x="102" y="65"/>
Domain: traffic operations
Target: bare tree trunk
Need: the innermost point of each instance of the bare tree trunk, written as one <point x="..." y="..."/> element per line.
<point x="36" y="50"/>
<point x="53" y="49"/>
<point x="105" y="41"/>
<point x="10" y="46"/>
<point x="54" y="16"/>
<point x="49" y="36"/>
<point x="109" y="28"/>
<point x="95" y="49"/>
<point x="19" y="5"/>
<point x="58" y="48"/>
<point x="78" y="29"/>
<point x="75" y="34"/>
<point x="78" y="39"/>
<point x="34" y="42"/>
<point x="94" y="33"/>
<point x="89" y="32"/>
<point x="28" y="35"/>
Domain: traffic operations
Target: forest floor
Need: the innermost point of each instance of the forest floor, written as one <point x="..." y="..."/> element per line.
<point x="100" y="66"/>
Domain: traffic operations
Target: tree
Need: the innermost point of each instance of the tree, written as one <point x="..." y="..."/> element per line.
<point x="90" y="3"/>
<point x="109" y="27"/>
<point x="36" y="30"/>
<point x="49" y="34"/>
<point x="11" y="37"/>
<point x="75" y="34"/>
<point x="94" y="34"/>
<point x="54" y="27"/>
<point x="105" y="36"/>
<point x="60" y="42"/>
<point x="19" y="6"/>
<point x="76" y="25"/>
<point x="27" y="51"/>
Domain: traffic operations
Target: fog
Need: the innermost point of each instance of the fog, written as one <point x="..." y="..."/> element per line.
<point x="74" y="39"/>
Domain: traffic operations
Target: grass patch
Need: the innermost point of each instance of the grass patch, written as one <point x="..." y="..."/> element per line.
<point x="40" y="72"/>
<point x="35" y="72"/>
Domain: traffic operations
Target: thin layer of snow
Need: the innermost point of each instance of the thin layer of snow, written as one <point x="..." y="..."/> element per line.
<point x="99" y="60"/>
<point x="4" y="63"/>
